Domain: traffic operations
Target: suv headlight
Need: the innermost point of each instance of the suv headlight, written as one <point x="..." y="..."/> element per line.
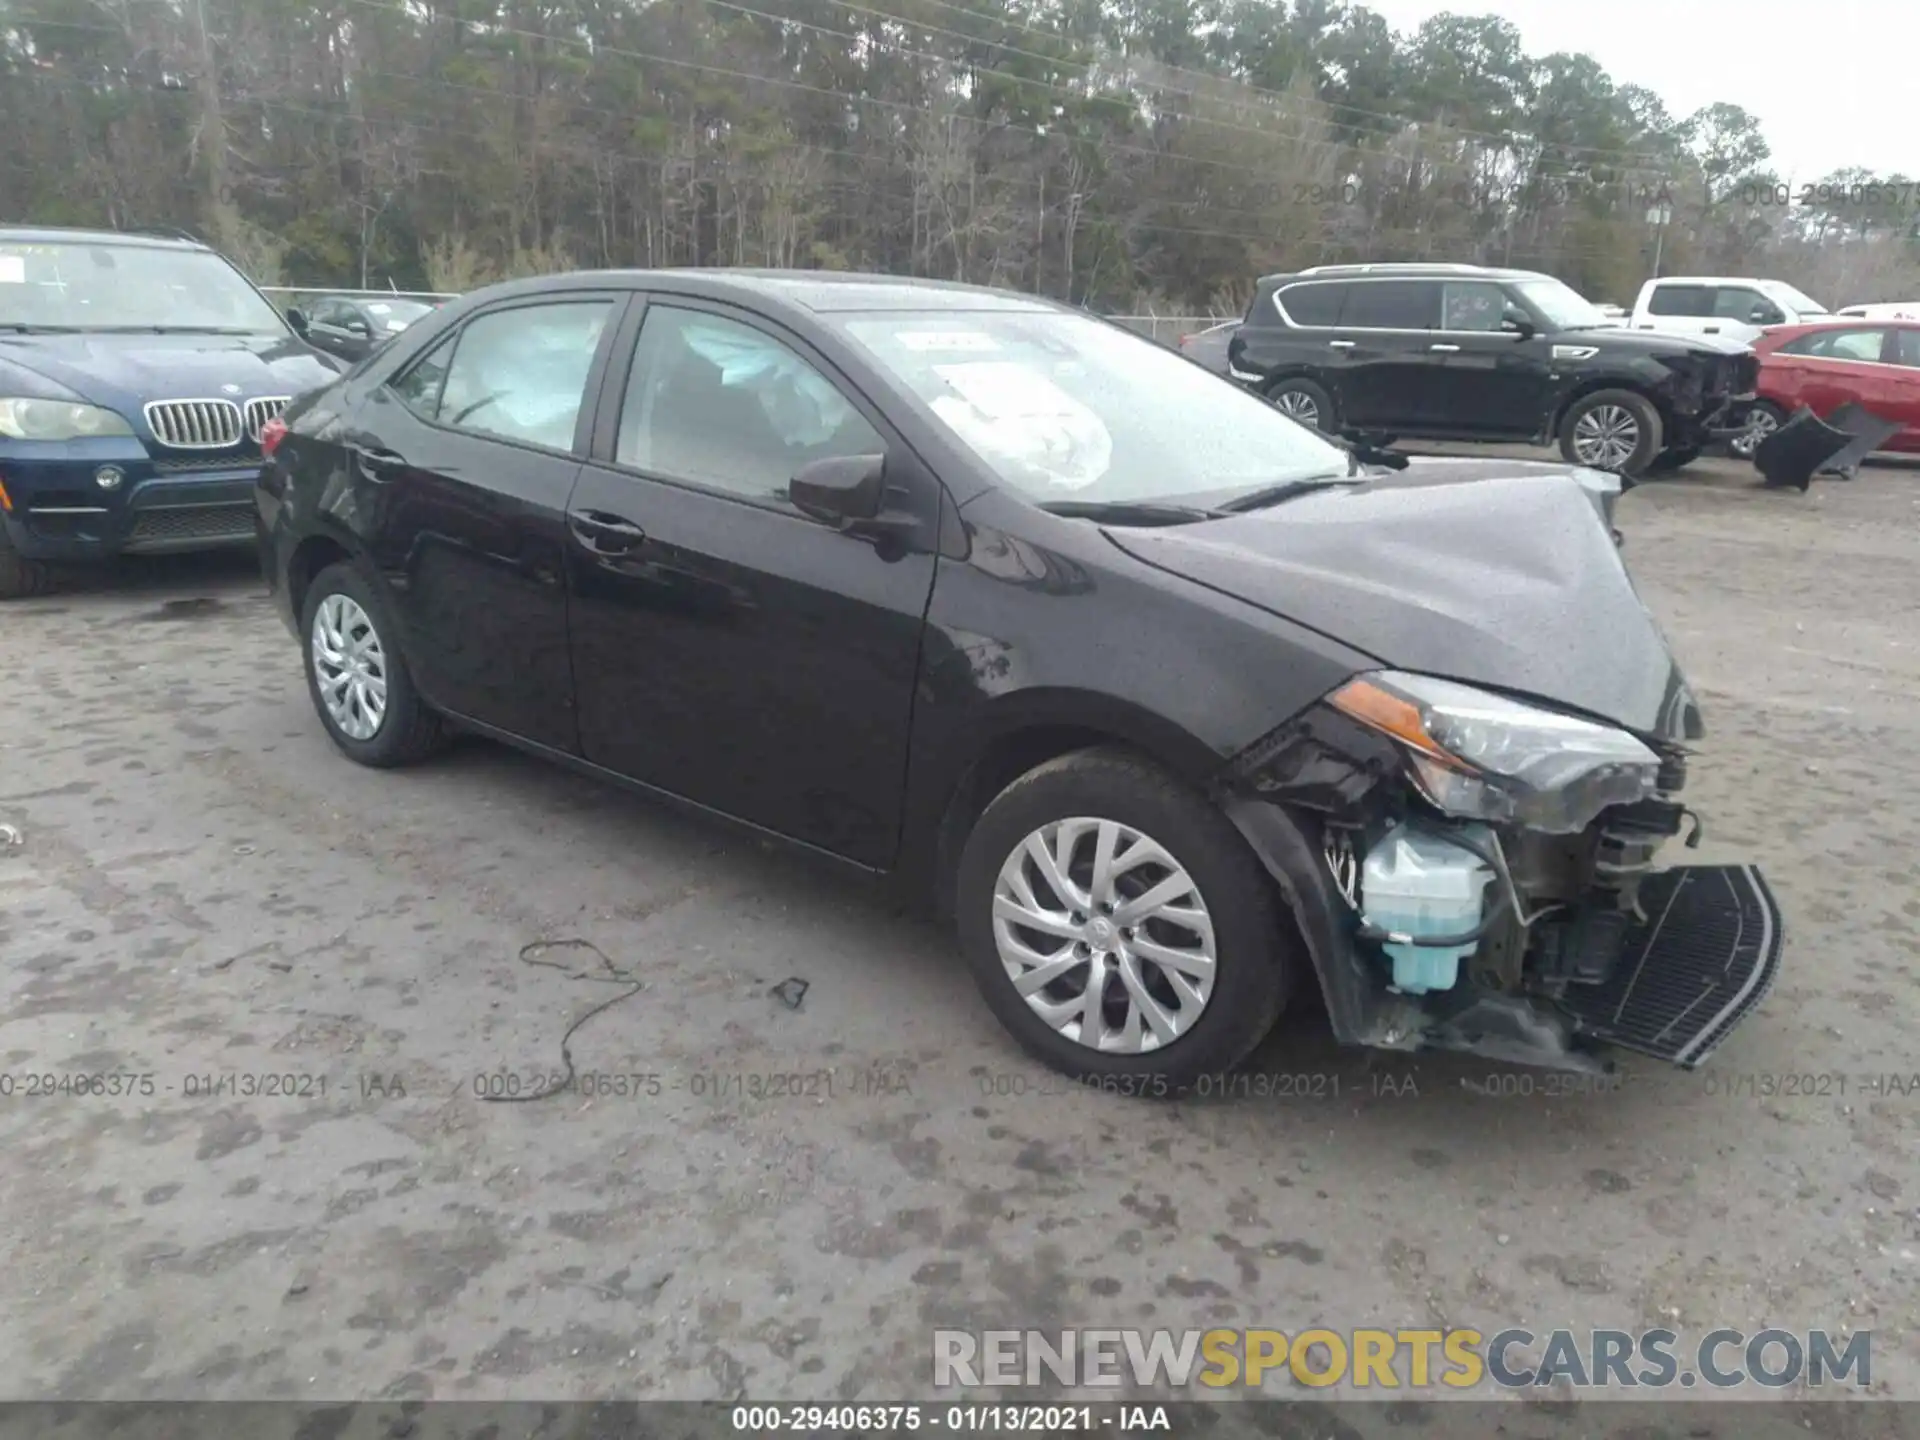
<point x="22" y="419"/>
<point x="1481" y="756"/>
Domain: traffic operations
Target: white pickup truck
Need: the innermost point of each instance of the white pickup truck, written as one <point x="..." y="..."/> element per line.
<point x="1735" y="307"/>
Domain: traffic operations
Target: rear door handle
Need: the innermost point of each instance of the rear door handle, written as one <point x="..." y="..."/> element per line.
<point x="379" y="464"/>
<point x="604" y="534"/>
<point x="1339" y="344"/>
<point x="1450" y="349"/>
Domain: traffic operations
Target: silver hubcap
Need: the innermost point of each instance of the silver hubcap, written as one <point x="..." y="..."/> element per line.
<point x="1104" y="935"/>
<point x="1605" y="437"/>
<point x="351" y="666"/>
<point x="1298" y="405"/>
<point x="1760" y="425"/>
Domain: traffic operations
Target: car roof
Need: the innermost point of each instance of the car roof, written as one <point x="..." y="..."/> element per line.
<point x="1403" y="271"/>
<point x="1715" y="280"/>
<point x="1846" y="322"/>
<point x="813" y="291"/>
<point x="60" y="235"/>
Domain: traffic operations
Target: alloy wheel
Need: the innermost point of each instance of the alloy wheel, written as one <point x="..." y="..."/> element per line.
<point x="1605" y="437"/>
<point x="1760" y="424"/>
<point x="1104" y="935"/>
<point x="349" y="666"/>
<point x="1298" y="405"/>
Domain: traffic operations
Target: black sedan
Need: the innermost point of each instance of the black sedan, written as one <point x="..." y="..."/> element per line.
<point x="1171" y="704"/>
<point x="353" y="327"/>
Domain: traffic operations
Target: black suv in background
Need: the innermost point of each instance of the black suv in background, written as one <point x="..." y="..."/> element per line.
<point x="1461" y="352"/>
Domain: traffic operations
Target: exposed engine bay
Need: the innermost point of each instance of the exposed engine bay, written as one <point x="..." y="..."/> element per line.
<point x="1493" y="882"/>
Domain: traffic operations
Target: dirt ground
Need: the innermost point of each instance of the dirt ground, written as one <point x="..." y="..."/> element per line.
<point x="206" y="894"/>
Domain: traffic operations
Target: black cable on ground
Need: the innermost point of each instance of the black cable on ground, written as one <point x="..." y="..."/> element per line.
<point x="614" y="972"/>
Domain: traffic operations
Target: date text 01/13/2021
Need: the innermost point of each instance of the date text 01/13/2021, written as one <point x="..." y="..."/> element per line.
<point x="962" y="1419"/>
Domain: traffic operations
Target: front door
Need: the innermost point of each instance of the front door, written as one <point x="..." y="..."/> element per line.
<point x="461" y="468"/>
<point x="1491" y="382"/>
<point x="726" y="647"/>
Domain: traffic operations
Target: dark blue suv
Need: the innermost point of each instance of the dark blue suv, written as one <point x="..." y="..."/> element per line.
<point x="136" y="374"/>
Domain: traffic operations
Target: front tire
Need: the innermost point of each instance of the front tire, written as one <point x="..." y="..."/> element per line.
<point x="20" y="578"/>
<point x="360" y="685"/>
<point x="1304" y="401"/>
<point x="1119" y="927"/>
<point x="1614" y="430"/>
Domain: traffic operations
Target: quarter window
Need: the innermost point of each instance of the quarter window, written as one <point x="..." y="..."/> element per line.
<point x="718" y="403"/>
<point x="1312" y="304"/>
<point x="521" y="374"/>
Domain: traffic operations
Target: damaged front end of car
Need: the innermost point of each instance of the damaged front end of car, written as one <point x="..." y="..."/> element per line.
<point x="1473" y="871"/>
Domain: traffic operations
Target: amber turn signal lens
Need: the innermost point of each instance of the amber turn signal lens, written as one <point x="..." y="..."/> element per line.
<point x="1382" y="710"/>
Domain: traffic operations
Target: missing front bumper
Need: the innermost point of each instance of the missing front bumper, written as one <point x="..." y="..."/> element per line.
<point x="1707" y="954"/>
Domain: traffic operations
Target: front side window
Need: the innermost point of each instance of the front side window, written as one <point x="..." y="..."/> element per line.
<point x="1560" y="305"/>
<point x="1391" y="305"/>
<point x="719" y="403"/>
<point x="1687" y="300"/>
<point x="1734" y="302"/>
<point x="521" y="374"/>
<point x="1471" y="305"/>
<point x="81" y="285"/>
<point x="1840" y="344"/>
<point x="1063" y="407"/>
<point x="1907" y="347"/>
<point x="419" y="388"/>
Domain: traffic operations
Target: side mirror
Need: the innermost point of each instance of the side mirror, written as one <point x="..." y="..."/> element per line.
<point x="297" y="318"/>
<point x="1516" y="322"/>
<point x="1762" y="315"/>
<point x="841" y="490"/>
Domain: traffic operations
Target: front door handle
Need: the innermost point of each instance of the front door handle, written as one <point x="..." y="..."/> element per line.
<point x="378" y="463"/>
<point x="604" y="534"/>
<point x="1449" y="349"/>
<point x="1339" y="344"/>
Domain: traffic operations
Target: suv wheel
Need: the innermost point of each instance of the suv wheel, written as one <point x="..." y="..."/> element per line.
<point x="1117" y="924"/>
<point x="1304" y="401"/>
<point x="19" y="576"/>
<point x="359" y="683"/>
<point x="1614" y="430"/>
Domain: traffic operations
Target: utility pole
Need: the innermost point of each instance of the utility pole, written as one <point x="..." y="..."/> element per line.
<point x="212" y="138"/>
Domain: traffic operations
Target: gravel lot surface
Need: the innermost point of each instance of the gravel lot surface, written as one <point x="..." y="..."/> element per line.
<point x="204" y="891"/>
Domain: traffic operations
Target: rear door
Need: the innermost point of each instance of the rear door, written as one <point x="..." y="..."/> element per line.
<point x="1826" y="369"/>
<point x="728" y="648"/>
<point x="461" y="468"/>
<point x="1904" y="353"/>
<point x="1388" y="377"/>
<point x="1490" y="381"/>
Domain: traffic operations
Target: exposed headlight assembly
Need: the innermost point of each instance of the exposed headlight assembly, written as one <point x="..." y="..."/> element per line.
<point x="1481" y="756"/>
<point x="22" y="419"/>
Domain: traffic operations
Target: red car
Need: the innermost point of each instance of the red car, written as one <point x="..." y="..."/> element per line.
<point x="1830" y="363"/>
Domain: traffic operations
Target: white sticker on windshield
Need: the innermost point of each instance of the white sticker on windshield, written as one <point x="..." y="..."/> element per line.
<point x="378" y="309"/>
<point x="974" y="342"/>
<point x="396" y="325"/>
<point x="13" y="269"/>
<point x="1017" y="415"/>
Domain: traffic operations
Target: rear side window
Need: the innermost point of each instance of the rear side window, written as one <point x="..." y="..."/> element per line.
<point x="1312" y="304"/>
<point x="521" y="374"/>
<point x="1680" y="300"/>
<point x="1391" y="305"/>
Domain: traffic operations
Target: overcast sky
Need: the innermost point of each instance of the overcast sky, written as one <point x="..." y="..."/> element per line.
<point x="1832" y="83"/>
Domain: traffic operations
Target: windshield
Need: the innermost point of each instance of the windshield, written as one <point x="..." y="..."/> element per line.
<point x="105" y="286"/>
<point x="1560" y="305"/>
<point x="395" y="315"/>
<point x="1791" y="299"/>
<point x="1067" y="408"/>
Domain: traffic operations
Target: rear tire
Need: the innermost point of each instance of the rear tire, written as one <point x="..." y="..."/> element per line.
<point x="1763" y="418"/>
<point x="1216" y="958"/>
<point x="357" y="677"/>
<point x="1304" y="401"/>
<point x="1613" y="430"/>
<point x="20" y="577"/>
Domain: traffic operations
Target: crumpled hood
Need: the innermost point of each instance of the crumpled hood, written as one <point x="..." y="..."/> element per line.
<point x="125" y="371"/>
<point x="1491" y="572"/>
